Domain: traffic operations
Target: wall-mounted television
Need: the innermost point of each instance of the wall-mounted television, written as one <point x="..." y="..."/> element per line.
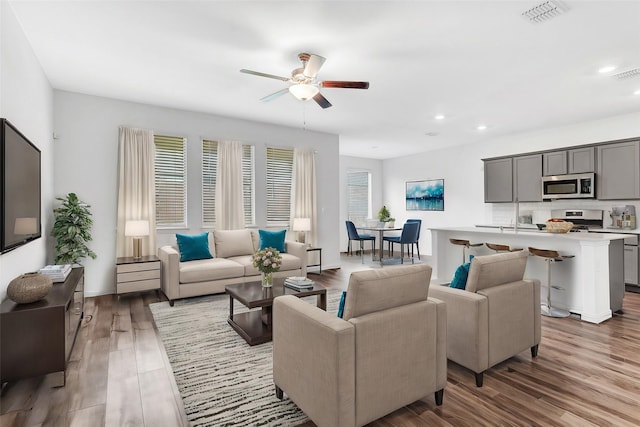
<point x="20" y="186"/>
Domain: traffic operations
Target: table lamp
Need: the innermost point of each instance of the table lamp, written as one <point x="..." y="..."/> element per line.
<point x="137" y="229"/>
<point x="302" y="225"/>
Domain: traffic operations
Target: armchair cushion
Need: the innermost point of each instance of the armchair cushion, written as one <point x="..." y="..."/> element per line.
<point x="230" y="243"/>
<point x="375" y="290"/>
<point x="494" y="270"/>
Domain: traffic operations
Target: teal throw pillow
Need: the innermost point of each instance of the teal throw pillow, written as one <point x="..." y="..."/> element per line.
<point x="193" y="247"/>
<point x="343" y="298"/>
<point x="272" y="239"/>
<point x="460" y="276"/>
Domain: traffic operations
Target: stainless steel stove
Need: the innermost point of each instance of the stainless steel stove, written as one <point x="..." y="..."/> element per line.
<point x="582" y="219"/>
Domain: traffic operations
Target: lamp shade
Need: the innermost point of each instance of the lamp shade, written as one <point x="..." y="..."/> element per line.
<point x="302" y="224"/>
<point x="25" y="226"/>
<point x="136" y="228"/>
<point x="303" y="92"/>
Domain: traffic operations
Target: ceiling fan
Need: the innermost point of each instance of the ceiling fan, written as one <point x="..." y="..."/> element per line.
<point x="305" y="85"/>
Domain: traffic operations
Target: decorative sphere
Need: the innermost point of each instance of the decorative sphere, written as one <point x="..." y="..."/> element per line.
<point x="29" y="287"/>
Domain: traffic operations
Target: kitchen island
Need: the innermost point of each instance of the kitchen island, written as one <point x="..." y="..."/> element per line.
<point x="593" y="281"/>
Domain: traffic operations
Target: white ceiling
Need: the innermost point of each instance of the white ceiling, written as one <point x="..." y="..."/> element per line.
<point x="477" y="62"/>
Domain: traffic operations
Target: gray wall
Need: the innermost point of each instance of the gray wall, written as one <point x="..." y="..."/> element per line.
<point x="26" y="100"/>
<point x="86" y="163"/>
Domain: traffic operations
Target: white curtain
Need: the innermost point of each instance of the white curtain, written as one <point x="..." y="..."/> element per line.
<point x="303" y="190"/>
<point x="136" y="188"/>
<point x="229" y="200"/>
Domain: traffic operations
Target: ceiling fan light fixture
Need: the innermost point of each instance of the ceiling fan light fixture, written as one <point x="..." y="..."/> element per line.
<point x="303" y="92"/>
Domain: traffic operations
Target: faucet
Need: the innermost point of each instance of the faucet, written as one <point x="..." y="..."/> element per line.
<point x="517" y="215"/>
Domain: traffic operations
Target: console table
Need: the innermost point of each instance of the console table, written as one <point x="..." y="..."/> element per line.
<point x="37" y="338"/>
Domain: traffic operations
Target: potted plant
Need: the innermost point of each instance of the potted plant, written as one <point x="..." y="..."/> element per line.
<point x="385" y="216"/>
<point x="71" y="230"/>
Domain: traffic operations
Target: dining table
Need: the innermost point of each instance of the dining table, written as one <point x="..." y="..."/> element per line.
<point x="381" y="231"/>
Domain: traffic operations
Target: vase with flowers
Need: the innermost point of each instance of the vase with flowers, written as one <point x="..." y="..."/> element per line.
<point x="268" y="261"/>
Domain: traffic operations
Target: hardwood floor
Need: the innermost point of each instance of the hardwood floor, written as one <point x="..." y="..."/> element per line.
<point x="584" y="374"/>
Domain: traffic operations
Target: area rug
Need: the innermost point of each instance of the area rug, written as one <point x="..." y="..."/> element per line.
<point x="222" y="380"/>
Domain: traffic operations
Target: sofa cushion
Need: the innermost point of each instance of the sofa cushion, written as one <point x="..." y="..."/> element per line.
<point x="272" y="239"/>
<point x="376" y="290"/>
<point x="231" y="243"/>
<point x="193" y="247"/>
<point x="289" y="262"/>
<point x="493" y="270"/>
<point x="209" y="269"/>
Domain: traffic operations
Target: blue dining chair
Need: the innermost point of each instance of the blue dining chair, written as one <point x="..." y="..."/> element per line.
<point x="352" y="233"/>
<point x="396" y="239"/>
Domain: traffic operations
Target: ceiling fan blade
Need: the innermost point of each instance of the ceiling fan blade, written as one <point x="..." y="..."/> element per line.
<point x="313" y="65"/>
<point x="321" y="100"/>
<point x="271" y="76"/>
<point x="275" y="95"/>
<point x="345" y="85"/>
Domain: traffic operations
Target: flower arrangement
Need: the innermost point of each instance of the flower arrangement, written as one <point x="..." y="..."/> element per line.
<point x="267" y="261"/>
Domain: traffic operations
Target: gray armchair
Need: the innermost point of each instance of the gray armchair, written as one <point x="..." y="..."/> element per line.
<point x="496" y="317"/>
<point x="387" y="351"/>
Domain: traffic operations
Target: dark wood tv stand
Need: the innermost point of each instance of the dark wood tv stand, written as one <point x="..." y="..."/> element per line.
<point x="37" y="338"/>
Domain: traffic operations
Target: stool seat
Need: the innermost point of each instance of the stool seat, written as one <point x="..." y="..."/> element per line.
<point x="465" y="245"/>
<point x="502" y="248"/>
<point x="550" y="256"/>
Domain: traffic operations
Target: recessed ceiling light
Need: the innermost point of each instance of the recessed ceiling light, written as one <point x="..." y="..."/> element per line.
<point x="637" y="92"/>
<point x="607" y="69"/>
<point x="439" y="117"/>
<point x="431" y="133"/>
<point x="482" y="127"/>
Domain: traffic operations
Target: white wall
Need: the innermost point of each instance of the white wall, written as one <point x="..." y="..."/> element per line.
<point x="86" y="163"/>
<point x="463" y="173"/>
<point x="26" y="100"/>
<point x="374" y="167"/>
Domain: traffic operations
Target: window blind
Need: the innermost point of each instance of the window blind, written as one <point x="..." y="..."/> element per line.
<point x="209" y="174"/>
<point x="358" y="196"/>
<point x="279" y="176"/>
<point x="171" y="183"/>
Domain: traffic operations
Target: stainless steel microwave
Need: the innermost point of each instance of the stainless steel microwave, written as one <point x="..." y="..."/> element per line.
<point x="576" y="186"/>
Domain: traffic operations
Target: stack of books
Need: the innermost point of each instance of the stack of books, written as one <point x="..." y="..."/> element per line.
<point x="58" y="273"/>
<point x="298" y="283"/>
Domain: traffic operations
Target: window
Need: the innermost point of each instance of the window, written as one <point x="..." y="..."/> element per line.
<point x="279" y="177"/>
<point x="171" y="181"/>
<point x="209" y="173"/>
<point x="358" y="196"/>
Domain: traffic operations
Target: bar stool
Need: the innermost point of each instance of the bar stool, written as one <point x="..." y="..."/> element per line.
<point x="465" y="245"/>
<point x="501" y="248"/>
<point x="549" y="257"/>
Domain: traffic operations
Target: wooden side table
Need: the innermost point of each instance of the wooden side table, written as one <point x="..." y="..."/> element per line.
<point x="319" y="264"/>
<point x="135" y="275"/>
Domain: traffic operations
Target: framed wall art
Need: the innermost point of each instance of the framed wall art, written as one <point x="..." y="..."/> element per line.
<point x="426" y="195"/>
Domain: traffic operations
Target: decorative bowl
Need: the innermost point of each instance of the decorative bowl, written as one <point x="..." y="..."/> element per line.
<point x="558" y="226"/>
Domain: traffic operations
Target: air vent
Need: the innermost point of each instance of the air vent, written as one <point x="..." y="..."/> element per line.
<point x="544" y="11"/>
<point x="627" y="74"/>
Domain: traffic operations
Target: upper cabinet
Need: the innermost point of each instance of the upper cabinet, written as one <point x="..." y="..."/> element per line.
<point x="554" y="163"/>
<point x="618" y="172"/>
<point x="582" y="160"/>
<point x="527" y="178"/>
<point x="564" y="162"/>
<point x="498" y="180"/>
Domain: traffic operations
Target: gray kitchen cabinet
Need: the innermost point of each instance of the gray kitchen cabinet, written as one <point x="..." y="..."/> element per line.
<point x="618" y="171"/>
<point x="498" y="180"/>
<point x="582" y="160"/>
<point x="554" y="163"/>
<point x="527" y="178"/>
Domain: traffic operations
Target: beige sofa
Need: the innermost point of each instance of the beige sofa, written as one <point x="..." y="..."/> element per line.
<point x="231" y="263"/>
<point x="387" y="351"/>
<point x="496" y="317"/>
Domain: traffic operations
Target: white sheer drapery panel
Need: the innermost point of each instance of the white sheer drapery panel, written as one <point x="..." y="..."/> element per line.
<point x="229" y="196"/>
<point x="303" y="190"/>
<point x="136" y="188"/>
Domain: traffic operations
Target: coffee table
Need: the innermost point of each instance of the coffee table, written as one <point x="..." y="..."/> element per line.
<point x="255" y="325"/>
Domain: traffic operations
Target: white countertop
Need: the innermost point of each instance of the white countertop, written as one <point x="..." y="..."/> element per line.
<point x="580" y="236"/>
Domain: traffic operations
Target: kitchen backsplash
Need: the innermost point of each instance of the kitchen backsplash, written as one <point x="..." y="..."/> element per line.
<point x="503" y="213"/>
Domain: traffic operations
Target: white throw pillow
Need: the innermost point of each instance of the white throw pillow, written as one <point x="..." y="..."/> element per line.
<point x="233" y="243"/>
